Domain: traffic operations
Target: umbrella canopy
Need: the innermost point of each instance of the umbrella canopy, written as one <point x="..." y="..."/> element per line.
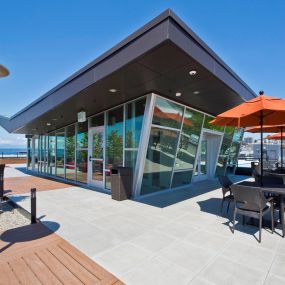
<point x="248" y="114"/>
<point x="262" y="110"/>
<point x="271" y="129"/>
<point x="278" y="136"/>
<point x="3" y="71"/>
<point x="266" y="128"/>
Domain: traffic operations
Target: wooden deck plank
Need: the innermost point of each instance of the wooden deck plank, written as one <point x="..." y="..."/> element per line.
<point x="7" y="276"/>
<point x="34" y="254"/>
<point x="42" y="272"/>
<point x="23" y="272"/>
<point x="61" y="272"/>
<point x="73" y="265"/>
<point x="87" y="263"/>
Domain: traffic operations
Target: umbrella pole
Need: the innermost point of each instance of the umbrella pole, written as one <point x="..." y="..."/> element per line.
<point x="281" y="149"/>
<point x="261" y="148"/>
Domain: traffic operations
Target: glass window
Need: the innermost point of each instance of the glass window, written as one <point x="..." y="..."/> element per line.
<point x="159" y="160"/>
<point x="29" y="154"/>
<point x="81" y="165"/>
<point x="51" y="154"/>
<point x="181" y="178"/>
<point x="82" y="135"/>
<point x="114" y="141"/>
<point x="42" y="157"/>
<point x="221" y="165"/>
<point x="134" y="120"/>
<point x="167" y="114"/>
<point x="70" y="153"/>
<point x="130" y="158"/>
<point x="36" y="154"/>
<point x="189" y="140"/>
<point x="60" y="140"/>
<point x="209" y="126"/>
<point x="97" y="121"/>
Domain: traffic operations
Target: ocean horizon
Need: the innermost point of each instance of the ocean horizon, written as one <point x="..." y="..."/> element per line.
<point x="12" y="151"/>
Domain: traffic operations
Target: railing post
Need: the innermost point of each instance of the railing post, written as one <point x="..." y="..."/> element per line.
<point x="33" y="206"/>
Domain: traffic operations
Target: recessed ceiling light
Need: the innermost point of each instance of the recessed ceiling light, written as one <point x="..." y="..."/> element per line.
<point x="48" y="124"/>
<point x="178" y="94"/>
<point x="113" y="90"/>
<point x="193" y="72"/>
<point x="196" y="92"/>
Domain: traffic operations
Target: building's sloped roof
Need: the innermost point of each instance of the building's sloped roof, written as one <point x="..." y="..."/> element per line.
<point x="165" y="27"/>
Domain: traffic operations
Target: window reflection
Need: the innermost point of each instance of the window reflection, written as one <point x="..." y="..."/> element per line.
<point x="114" y="141"/>
<point x="134" y="120"/>
<point x="70" y="153"/>
<point x="159" y="160"/>
<point x="209" y="126"/>
<point x="51" y="154"/>
<point x="167" y="114"/>
<point x="60" y="138"/>
<point x="189" y="140"/>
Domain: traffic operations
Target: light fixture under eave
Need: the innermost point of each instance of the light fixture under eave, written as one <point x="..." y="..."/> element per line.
<point x="178" y="94"/>
<point x="113" y="90"/>
<point x="81" y="117"/>
<point x="196" y="92"/>
<point x="193" y="72"/>
<point x="48" y="124"/>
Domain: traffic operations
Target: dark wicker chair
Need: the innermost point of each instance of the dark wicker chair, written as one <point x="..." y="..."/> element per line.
<point x="250" y="201"/>
<point x="2" y="167"/>
<point x="226" y="190"/>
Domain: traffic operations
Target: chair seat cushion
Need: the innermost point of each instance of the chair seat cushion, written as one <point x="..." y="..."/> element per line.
<point x="251" y="208"/>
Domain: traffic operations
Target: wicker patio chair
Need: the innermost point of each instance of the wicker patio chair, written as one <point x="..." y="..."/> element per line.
<point x="250" y="201"/>
<point x="226" y="191"/>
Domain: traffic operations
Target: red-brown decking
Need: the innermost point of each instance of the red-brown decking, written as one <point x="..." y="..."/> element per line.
<point x="23" y="184"/>
<point x="35" y="255"/>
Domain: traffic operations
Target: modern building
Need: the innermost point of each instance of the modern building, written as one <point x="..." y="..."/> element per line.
<point x="147" y="102"/>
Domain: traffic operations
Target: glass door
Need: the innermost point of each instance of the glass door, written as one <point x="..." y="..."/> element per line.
<point x="96" y="157"/>
<point x="201" y="171"/>
<point x="203" y="157"/>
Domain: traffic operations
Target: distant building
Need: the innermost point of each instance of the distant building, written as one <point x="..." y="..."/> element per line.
<point x="248" y="140"/>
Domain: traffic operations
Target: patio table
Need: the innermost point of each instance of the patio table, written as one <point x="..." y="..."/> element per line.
<point x="280" y="175"/>
<point x="275" y="189"/>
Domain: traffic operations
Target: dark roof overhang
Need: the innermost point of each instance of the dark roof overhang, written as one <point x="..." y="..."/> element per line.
<point x="156" y="58"/>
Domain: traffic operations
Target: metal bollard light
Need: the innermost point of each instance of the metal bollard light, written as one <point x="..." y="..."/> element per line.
<point x="33" y="206"/>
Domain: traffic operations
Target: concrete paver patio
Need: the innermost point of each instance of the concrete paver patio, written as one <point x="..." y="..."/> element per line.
<point x="172" y="238"/>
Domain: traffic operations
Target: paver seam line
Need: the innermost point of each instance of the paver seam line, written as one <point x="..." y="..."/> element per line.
<point x="48" y="249"/>
<point x="273" y="259"/>
<point x="46" y="267"/>
<point x="11" y="268"/>
<point x="63" y="249"/>
<point x="31" y="269"/>
<point x="212" y="260"/>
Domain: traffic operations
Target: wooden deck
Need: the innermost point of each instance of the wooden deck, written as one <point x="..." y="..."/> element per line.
<point x="23" y="184"/>
<point x="35" y="255"/>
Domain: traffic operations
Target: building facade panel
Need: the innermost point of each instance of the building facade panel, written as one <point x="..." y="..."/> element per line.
<point x="180" y="148"/>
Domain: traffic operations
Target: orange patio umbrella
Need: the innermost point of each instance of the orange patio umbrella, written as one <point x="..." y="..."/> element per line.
<point x="278" y="136"/>
<point x="271" y="129"/>
<point x="262" y="110"/>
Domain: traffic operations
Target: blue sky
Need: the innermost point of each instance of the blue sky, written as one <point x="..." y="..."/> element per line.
<point x="43" y="42"/>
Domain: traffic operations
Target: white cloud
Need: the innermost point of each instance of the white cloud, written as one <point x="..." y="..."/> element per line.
<point x="12" y="141"/>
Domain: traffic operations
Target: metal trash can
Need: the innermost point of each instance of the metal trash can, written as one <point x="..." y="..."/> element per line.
<point x="121" y="183"/>
<point x="254" y="164"/>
